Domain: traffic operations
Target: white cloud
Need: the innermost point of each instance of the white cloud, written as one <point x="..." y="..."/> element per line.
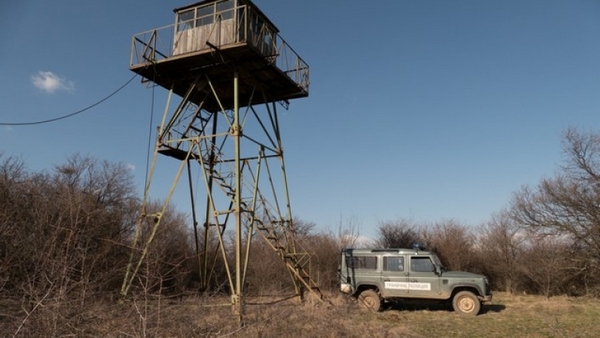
<point x="50" y="82"/>
<point x="131" y="167"/>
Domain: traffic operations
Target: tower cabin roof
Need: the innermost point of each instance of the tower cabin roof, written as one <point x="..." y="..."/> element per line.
<point x="247" y="2"/>
<point x="211" y="41"/>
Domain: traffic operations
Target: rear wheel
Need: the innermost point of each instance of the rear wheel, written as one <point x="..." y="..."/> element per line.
<point x="369" y="299"/>
<point x="466" y="303"/>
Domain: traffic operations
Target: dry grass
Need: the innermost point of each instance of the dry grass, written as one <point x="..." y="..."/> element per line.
<point x="509" y="316"/>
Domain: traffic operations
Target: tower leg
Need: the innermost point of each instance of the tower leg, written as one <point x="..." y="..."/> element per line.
<point x="237" y="299"/>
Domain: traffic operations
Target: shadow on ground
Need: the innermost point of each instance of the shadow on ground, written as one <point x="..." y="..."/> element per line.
<point x="436" y="306"/>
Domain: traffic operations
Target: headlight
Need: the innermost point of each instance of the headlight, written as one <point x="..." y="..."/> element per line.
<point x="346" y="288"/>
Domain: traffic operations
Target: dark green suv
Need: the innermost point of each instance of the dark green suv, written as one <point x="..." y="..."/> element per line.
<point x="377" y="275"/>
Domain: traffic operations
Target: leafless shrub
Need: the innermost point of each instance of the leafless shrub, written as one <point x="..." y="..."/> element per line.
<point x="170" y="259"/>
<point x="267" y="274"/>
<point x="348" y="233"/>
<point x="501" y="245"/>
<point x="453" y="242"/>
<point x="63" y="237"/>
<point x="546" y="264"/>
<point x="397" y="234"/>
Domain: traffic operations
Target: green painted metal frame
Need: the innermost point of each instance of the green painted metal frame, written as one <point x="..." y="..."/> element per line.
<point x="265" y="210"/>
<point x="226" y="121"/>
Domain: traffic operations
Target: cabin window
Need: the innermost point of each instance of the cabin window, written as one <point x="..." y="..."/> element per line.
<point x="205" y="16"/>
<point x="364" y="262"/>
<point x="225" y="9"/>
<point x="185" y="20"/>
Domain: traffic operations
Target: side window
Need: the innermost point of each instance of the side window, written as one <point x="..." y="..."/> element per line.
<point x="185" y="20"/>
<point x="393" y="263"/>
<point x="364" y="262"/>
<point x="205" y="15"/>
<point x="421" y="264"/>
<point x="225" y="9"/>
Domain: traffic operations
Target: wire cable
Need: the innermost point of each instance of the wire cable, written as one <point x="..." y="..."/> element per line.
<point x="71" y="114"/>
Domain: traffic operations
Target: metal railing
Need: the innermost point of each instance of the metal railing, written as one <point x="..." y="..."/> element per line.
<point x="246" y="26"/>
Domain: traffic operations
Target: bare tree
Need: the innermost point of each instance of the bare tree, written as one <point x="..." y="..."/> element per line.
<point x="348" y="233"/>
<point x="546" y="264"/>
<point x="582" y="152"/>
<point x="568" y="205"/>
<point x="302" y="227"/>
<point x="453" y="242"/>
<point x="501" y="244"/>
<point x="396" y="234"/>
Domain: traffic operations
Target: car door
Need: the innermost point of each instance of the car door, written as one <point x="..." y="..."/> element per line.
<point x="422" y="279"/>
<point x="394" y="276"/>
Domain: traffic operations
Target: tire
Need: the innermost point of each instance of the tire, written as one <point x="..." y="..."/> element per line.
<point x="369" y="300"/>
<point x="466" y="303"/>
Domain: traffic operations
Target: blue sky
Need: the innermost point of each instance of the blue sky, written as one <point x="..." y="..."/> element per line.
<point x="427" y="110"/>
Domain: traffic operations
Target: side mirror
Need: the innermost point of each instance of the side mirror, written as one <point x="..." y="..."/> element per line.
<point x="438" y="270"/>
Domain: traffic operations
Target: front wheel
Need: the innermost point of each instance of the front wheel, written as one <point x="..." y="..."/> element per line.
<point x="369" y="299"/>
<point x="466" y="303"/>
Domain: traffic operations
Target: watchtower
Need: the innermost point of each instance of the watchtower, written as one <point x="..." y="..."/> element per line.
<point x="231" y="70"/>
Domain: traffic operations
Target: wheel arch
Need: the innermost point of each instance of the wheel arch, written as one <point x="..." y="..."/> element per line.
<point x="362" y="287"/>
<point x="467" y="287"/>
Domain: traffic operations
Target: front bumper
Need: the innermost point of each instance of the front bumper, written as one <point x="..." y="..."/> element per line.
<point x="486" y="298"/>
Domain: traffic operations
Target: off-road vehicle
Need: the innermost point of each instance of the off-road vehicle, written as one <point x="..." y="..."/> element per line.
<point x="375" y="276"/>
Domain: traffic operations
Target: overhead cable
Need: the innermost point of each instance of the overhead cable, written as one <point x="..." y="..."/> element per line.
<point x="71" y="114"/>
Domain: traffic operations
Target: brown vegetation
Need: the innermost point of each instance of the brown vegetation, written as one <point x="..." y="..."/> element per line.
<point x="509" y="316"/>
<point x="65" y="239"/>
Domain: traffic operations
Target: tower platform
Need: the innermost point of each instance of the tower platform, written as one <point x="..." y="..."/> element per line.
<point x="213" y="41"/>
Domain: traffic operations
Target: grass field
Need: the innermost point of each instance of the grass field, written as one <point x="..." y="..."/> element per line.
<point x="508" y="316"/>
